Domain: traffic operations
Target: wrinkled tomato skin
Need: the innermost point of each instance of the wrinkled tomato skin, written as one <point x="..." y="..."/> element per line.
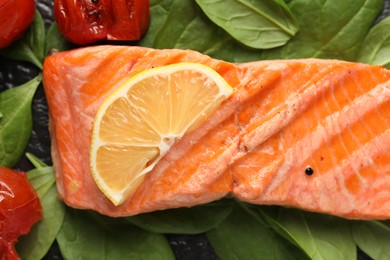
<point x="20" y="208"/>
<point x="15" y="17"/>
<point x="87" y="21"/>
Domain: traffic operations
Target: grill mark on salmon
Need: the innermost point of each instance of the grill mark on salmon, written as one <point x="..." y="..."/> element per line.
<point x="335" y="124"/>
<point x="283" y="117"/>
<point x="332" y="127"/>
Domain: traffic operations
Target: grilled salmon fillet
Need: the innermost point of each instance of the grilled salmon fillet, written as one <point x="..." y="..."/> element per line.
<point x="312" y="134"/>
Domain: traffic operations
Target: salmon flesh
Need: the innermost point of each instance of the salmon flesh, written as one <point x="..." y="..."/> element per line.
<point x="312" y="134"/>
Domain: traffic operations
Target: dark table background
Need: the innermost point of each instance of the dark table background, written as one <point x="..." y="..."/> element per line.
<point x="14" y="73"/>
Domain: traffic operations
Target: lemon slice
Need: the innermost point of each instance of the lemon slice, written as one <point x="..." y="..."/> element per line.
<point x="137" y="124"/>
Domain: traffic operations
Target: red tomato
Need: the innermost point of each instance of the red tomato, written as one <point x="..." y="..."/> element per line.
<point x="15" y="17"/>
<point x="19" y="210"/>
<point x="87" y="21"/>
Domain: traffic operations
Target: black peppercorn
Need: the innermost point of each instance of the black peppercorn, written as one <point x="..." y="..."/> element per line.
<point x="309" y="171"/>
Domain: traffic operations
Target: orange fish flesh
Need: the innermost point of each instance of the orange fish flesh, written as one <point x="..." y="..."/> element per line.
<point x="312" y="134"/>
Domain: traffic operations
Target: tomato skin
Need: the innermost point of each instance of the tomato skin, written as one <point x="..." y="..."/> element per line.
<point x="15" y="17"/>
<point x="87" y="21"/>
<point x="20" y="208"/>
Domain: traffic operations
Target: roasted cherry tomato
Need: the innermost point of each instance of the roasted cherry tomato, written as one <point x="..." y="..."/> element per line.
<point x="15" y="17"/>
<point x="19" y="210"/>
<point x="87" y="21"/>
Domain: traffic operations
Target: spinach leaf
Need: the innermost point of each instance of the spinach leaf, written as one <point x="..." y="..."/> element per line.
<point x="181" y="24"/>
<point x="159" y="10"/>
<point x="170" y="32"/>
<point x="215" y="42"/>
<point x="85" y="236"/>
<point x="319" y="236"/>
<point x="385" y="222"/>
<point x="55" y="41"/>
<point x="376" y="46"/>
<point x="16" y="124"/>
<point x="373" y="238"/>
<point x="193" y="220"/>
<point x="35" y="161"/>
<point x="31" y="47"/>
<point x="257" y="24"/>
<point x="38" y="241"/>
<point x="241" y="236"/>
<point x="328" y="29"/>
